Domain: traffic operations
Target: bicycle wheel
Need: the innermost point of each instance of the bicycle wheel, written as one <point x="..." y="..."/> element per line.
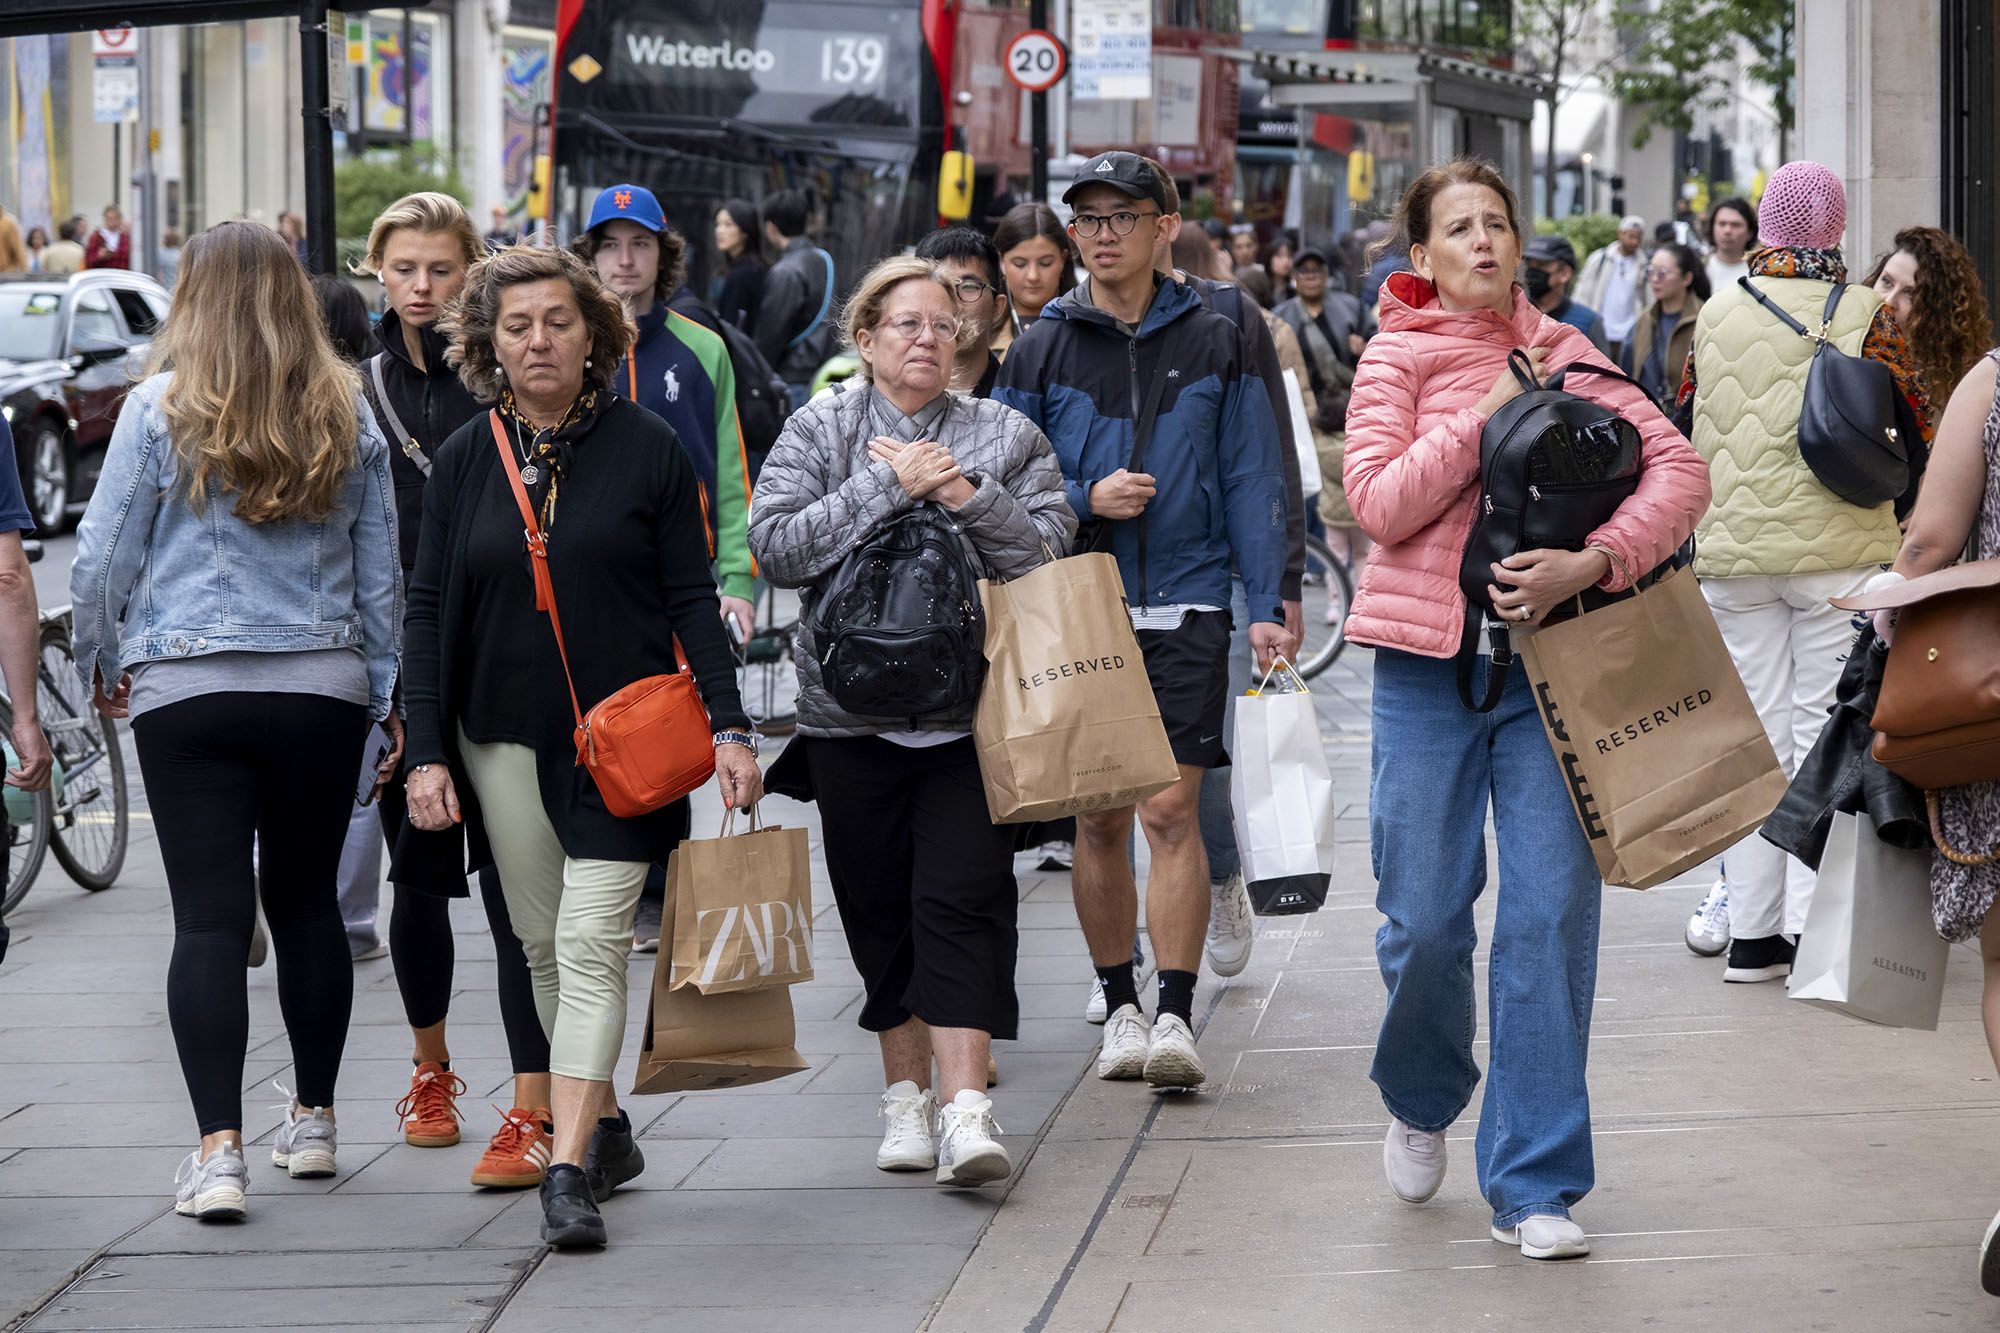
<point x="767" y="677"/>
<point x="28" y="820"/>
<point x="1327" y="599"/>
<point x="91" y="823"/>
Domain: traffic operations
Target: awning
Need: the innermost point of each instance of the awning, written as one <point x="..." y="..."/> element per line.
<point x="1390" y="85"/>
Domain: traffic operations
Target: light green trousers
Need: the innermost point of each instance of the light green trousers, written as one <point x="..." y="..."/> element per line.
<point x="574" y="917"/>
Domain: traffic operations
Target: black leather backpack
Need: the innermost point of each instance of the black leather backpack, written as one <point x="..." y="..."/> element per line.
<point x="900" y="629"/>
<point x="1553" y="468"/>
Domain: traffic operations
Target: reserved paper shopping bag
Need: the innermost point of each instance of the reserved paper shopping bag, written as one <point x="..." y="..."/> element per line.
<point x="742" y="909"/>
<point x="1870" y="949"/>
<point x="1666" y="760"/>
<point x="1066" y="722"/>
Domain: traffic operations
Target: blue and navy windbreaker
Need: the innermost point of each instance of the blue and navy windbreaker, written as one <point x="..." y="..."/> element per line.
<point x="1214" y="452"/>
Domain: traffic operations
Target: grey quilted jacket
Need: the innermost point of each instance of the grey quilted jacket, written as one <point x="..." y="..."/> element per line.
<point x="820" y="494"/>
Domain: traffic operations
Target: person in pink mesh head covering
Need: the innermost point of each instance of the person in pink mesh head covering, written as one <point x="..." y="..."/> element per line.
<point x="1804" y="208"/>
<point x="1776" y="544"/>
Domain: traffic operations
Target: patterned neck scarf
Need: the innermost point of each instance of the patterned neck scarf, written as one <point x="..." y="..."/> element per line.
<point x="1797" y="261"/>
<point x="885" y="418"/>
<point x="547" y="454"/>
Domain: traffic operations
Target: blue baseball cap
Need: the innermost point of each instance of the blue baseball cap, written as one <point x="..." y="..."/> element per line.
<point x="634" y="203"/>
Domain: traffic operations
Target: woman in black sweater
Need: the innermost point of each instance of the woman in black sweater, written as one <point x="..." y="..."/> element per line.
<point x="488" y="696"/>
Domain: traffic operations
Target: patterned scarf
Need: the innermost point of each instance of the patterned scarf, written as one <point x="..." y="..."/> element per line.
<point x="1797" y="261"/>
<point x="549" y="454"/>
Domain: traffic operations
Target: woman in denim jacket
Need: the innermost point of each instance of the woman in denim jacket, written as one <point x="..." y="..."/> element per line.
<point x="237" y="597"/>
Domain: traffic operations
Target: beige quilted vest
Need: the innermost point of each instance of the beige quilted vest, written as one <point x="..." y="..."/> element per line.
<point x="1770" y="516"/>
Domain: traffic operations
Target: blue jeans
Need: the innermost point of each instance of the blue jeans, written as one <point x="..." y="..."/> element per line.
<point x="1218" y="832"/>
<point x="1434" y="768"/>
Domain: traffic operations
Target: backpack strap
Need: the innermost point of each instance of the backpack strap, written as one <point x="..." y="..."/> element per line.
<point x="1555" y="381"/>
<point x="825" y="302"/>
<point x="1468" y="653"/>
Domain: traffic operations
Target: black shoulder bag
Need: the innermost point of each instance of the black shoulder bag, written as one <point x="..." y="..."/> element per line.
<point x="1847" y="425"/>
<point x="1553" y="468"/>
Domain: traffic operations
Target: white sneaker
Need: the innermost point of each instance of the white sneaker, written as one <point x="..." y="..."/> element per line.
<point x="212" y="1188"/>
<point x="1231" y="927"/>
<point x="1989" y="1259"/>
<point x="1545" y="1236"/>
<point x="907" y="1144"/>
<point x="1707" y="931"/>
<point x="307" y="1140"/>
<point x="1094" y="1009"/>
<point x="1171" y="1061"/>
<point x="1414" y="1161"/>
<point x="967" y="1151"/>
<point x="1123" y="1054"/>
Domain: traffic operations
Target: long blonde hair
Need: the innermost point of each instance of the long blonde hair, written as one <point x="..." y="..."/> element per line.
<point x="259" y="401"/>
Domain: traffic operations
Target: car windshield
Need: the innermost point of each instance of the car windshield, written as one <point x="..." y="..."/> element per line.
<point x="30" y="321"/>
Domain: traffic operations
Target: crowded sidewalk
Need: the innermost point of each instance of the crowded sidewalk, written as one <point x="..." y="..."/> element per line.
<point x="1745" y="1144"/>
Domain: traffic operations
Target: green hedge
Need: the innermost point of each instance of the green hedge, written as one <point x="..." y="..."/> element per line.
<point x="364" y="186"/>
<point x="1587" y="232"/>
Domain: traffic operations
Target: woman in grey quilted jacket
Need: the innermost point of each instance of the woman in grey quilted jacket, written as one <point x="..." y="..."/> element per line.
<point x="923" y="879"/>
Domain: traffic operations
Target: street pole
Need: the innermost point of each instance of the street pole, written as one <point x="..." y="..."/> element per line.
<point x="142" y="167"/>
<point x="318" y="157"/>
<point x="1038" y="118"/>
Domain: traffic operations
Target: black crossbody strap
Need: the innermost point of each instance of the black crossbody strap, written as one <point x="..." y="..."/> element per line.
<point x="1149" y="413"/>
<point x="1780" y="311"/>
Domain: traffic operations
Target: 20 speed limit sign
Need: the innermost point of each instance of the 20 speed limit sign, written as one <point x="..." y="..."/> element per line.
<point x="1036" y="61"/>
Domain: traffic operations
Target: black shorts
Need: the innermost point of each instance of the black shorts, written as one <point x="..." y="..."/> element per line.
<point x="1189" y="670"/>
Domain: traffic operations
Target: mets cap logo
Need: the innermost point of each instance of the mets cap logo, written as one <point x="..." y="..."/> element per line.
<point x="623" y="199"/>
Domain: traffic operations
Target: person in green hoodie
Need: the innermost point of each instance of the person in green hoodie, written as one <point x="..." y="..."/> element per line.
<point x="679" y="369"/>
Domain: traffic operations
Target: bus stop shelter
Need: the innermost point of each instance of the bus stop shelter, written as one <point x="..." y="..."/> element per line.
<point x="19" y="17"/>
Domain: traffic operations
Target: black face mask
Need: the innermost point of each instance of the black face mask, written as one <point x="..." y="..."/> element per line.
<point x="1537" y="282"/>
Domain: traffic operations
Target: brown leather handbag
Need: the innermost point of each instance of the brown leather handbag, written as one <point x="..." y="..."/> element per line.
<point x="1937" y="721"/>
<point x="649" y="744"/>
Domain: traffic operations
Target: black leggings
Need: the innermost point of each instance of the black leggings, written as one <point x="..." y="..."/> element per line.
<point x="421" y="951"/>
<point x="420" y="947"/>
<point x="225" y="773"/>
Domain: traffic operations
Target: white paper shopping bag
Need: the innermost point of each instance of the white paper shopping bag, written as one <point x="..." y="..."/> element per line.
<point x="1869" y="949"/>
<point x="1281" y="800"/>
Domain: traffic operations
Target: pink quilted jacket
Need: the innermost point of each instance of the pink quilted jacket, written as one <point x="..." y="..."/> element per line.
<point x="1412" y="467"/>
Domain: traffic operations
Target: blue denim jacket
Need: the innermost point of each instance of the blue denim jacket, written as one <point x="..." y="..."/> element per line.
<point x="153" y="579"/>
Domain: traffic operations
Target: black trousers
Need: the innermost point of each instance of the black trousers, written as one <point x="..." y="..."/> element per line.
<point x="924" y="881"/>
<point x="424" y="958"/>
<point x="230" y="777"/>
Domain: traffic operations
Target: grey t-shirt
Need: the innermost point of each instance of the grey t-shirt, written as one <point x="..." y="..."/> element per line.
<point x="337" y="673"/>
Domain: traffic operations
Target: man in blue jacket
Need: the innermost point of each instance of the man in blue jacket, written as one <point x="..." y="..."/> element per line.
<point x="1170" y="450"/>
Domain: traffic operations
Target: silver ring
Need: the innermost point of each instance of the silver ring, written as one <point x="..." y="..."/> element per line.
<point x="1527" y="613"/>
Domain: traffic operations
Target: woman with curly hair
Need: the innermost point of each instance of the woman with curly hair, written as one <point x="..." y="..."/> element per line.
<point x="1929" y="284"/>
<point x="491" y="700"/>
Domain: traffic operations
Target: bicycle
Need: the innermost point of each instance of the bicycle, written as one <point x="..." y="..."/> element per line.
<point x="1328" y="595"/>
<point x="766" y="676"/>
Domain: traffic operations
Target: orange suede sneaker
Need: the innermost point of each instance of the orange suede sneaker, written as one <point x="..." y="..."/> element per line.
<point x="518" y="1153"/>
<point x="430" y="1113"/>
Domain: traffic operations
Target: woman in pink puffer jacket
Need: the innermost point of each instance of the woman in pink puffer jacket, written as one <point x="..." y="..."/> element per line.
<point x="1423" y="392"/>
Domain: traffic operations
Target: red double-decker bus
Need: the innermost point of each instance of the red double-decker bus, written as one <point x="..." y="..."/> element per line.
<point x="706" y="100"/>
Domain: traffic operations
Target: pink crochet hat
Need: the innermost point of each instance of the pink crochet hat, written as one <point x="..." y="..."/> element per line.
<point x="1803" y="206"/>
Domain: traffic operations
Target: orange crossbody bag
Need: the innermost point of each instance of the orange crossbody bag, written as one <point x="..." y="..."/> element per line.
<point x="650" y="743"/>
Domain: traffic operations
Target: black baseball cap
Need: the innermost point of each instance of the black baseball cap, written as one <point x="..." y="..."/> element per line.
<point x="1549" y="249"/>
<point x="1311" y="254"/>
<point x="1128" y="173"/>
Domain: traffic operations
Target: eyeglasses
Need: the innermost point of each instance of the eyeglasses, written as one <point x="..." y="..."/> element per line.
<point x="911" y="327"/>
<point x="1087" y="225"/>
<point x="971" y="289"/>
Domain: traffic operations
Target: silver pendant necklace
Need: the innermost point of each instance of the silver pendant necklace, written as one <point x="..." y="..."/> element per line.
<point x="530" y="474"/>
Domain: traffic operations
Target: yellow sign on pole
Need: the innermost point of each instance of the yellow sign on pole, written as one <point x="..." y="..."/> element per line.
<point x="1360" y="176"/>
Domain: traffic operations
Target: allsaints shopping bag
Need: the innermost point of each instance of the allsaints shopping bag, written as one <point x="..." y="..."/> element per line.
<point x="1066" y="720"/>
<point x="695" y="1041"/>
<point x="1869" y="949"/>
<point x="1281" y="797"/>
<point x="742" y="909"/>
<point x="1666" y="761"/>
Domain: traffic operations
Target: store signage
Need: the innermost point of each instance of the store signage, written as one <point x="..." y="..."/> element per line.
<point x="1111" y="49"/>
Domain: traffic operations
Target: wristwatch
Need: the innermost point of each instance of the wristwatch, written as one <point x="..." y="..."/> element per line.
<point x="746" y="739"/>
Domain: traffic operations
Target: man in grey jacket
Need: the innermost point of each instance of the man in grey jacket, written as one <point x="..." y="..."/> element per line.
<point x="794" y="319"/>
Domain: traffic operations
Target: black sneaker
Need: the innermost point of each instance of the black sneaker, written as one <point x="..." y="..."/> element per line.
<point x="1989" y="1259"/>
<point x="614" y="1156"/>
<point x="1764" y="959"/>
<point x="570" y="1219"/>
